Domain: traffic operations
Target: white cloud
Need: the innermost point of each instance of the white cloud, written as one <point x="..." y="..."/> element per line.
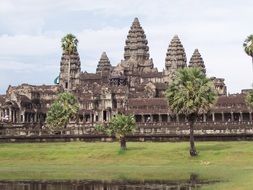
<point x="216" y="28"/>
<point x="29" y="45"/>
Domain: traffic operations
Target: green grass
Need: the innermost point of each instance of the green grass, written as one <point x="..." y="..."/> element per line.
<point x="230" y="162"/>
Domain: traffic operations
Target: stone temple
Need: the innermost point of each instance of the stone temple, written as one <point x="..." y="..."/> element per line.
<point x="133" y="86"/>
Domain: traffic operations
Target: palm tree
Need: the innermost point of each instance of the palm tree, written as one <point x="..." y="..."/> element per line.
<point x="248" y="47"/>
<point x="191" y="94"/>
<point x="120" y="126"/>
<point x="249" y="98"/>
<point x="60" y="112"/>
<point x="69" y="46"/>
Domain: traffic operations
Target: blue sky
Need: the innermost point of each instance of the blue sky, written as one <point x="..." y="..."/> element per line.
<point x="31" y="31"/>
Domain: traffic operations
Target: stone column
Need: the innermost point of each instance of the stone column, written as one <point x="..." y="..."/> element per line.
<point x="109" y="116"/>
<point x="204" y="117"/>
<point x="151" y="118"/>
<point x="15" y="116"/>
<point x="5" y="112"/>
<point x="142" y="119"/>
<point x="10" y="115"/>
<point x="241" y="117"/>
<point x="160" y="118"/>
<point x="168" y="118"/>
<point x="222" y="116"/>
<point x="213" y="116"/>
<point x="232" y="116"/>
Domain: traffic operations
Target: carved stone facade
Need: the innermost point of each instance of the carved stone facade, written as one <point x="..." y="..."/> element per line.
<point x="70" y="69"/>
<point x="104" y="67"/>
<point x="197" y="61"/>
<point x="133" y="86"/>
<point x="175" y="58"/>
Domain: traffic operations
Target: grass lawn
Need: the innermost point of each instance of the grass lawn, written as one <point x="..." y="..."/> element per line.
<point x="230" y="162"/>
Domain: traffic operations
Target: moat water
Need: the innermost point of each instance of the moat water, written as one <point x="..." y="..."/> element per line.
<point x="191" y="184"/>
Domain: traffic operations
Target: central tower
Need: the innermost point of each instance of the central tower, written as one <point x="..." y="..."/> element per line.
<point x="136" y="51"/>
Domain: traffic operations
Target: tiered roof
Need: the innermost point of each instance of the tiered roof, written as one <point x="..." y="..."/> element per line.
<point x="136" y="42"/>
<point x="197" y="61"/>
<point x="104" y="63"/>
<point x="175" y="56"/>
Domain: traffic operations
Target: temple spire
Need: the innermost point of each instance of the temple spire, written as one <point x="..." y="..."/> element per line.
<point x="104" y="64"/>
<point x="136" y="43"/>
<point x="197" y="61"/>
<point x="175" y="58"/>
<point x="136" y="23"/>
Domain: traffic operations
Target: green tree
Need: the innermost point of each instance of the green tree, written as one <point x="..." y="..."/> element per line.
<point x="69" y="47"/>
<point x="69" y="44"/>
<point x="249" y="98"/>
<point x="191" y="94"/>
<point x="248" y="47"/>
<point x="120" y="126"/>
<point x="60" y="112"/>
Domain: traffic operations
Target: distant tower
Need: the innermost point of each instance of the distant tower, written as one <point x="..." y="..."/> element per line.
<point x="104" y="66"/>
<point x="197" y="61"/>
<point x="175" y="58"/>
<point x="70" y="64"/>
<point x="70" y="71"/>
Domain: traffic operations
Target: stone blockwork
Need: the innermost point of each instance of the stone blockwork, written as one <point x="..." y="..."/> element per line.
<point x="197" y="61"/>
<point x="133" y="86"/>
<point x="136" y="51"/>
<point x="28" y="103"/>
<point x="70" y="69"/>
<point x="104" y="66"/>
<point x="175" y="58"/>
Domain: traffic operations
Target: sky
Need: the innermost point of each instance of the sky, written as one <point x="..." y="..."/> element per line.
<point x="31" y="32"/>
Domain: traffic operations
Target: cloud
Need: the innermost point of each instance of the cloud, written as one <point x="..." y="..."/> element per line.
<point x="32" y="45"/>
<point x="30" y="34"/>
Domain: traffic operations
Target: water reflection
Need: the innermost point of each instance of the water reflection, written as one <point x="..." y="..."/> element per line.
<point x="191" y="184"/>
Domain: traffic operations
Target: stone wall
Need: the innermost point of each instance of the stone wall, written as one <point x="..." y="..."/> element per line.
<point x="153" y="132"/>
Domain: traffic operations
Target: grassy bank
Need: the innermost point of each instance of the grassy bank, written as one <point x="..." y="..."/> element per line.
<point x="230" y="162"/>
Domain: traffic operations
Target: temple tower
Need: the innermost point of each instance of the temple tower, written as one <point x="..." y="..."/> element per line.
<point x="70" y="63"/>
<point x="136" y="43"/>
<point x="104" y="66"/>
<point x="197" y="61"/>
<point x="136" y="51"/>
<point x="70" y="71"/>
<point x="175" y="58"/>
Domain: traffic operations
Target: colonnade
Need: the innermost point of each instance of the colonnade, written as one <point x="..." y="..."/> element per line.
<point x="15" y="116"/>
<point x="211" y="117"/>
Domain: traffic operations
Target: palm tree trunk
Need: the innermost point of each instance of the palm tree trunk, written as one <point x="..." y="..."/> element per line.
<point x="192" y="119"/>
<point x="252" y="70"/>
<point x="122" y="143"/>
